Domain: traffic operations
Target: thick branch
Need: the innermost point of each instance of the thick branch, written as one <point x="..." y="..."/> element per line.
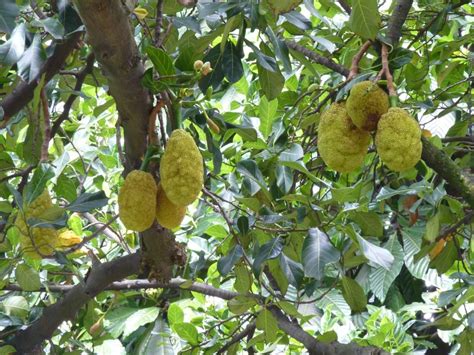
<point x="110" y="35"/>
<point x="315" y="57"/>
<point x="399" y="15"/>
<point x="99" y="278"/>
<point x="23" y="93"/>
<point x="440" y="162"/>
<point x="314" y="346"/>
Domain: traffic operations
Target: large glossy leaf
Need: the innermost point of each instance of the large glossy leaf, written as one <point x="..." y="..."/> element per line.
<point x="88" y="201"/>
<point x="12" y="50"/>
<point x="369" y="223"/>
<point x="128" y="319"/>
<point x="227" y="262"/>
<point x="268" y="324"/>
<point x="380" y="278"/>
<point x="231" y="63"/>
<point x="8" y="12"/>
<point x="376" y="255"/>
<point x="188" y="332"/>
<point x="36" y="186"/>
<point x="162" y="62"/>
<point x="27" y="278"/>
<point x="353" y="294"/>
<point x="157" y="340"/>
<point x="293" y="270"/>
<point x="317" y="253"/>
<point x="365" y="18"/>
<point x="332" y="299"/>
<point x="29" y="65"/>
<point x="267" y="251"/>
<point x="267" y="114"/>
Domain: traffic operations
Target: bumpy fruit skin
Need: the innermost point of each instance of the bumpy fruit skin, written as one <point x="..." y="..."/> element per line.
<point x="137" y="201"/>
<point x="67" y="238"/>
<point x="398" y="140"/>
<point x="36" y="242"/>
<point x="366" y="103"/>
<point x="181" y="169"/>
<point x="168" y="214"/>
<point x="341" y="145"/>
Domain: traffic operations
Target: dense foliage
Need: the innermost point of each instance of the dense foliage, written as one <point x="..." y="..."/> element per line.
<point x="279" y="253"/>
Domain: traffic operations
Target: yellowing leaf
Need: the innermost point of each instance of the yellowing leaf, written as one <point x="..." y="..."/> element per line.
<point x="140" y="12"/>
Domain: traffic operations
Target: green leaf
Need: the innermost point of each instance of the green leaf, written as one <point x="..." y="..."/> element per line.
<point x="268" y="324"/>
<point x="27" y="278"/>
<point x="88" y="202"/>
<point x="157" y="340"/>
<point x="8" y="12"/>
<point x="380" y="278"/>
<point x="175" y="314"/>
<point x="241" y="304"/>
<point x="226" y="263"/>
<point x="353" y="294"/>
<point x="317" y="253"/>
<point x="12" y="50"/>
<point x="365" y="18"/>
<point x="293" y="270"/>
<point x="369" y="223"/>
<point x="332" y="299"/>
<point x="162" y="62"/>
<point x="30" y="63"/>
<point x="267" y="114"/>
<point x="267" y="251"/>
<point x="53" y="27"/>
<point x="16" y="306"/>
<point x="36" y="186"/>
<point x="187" y="332"/>
<point x="7" y="350"/>
<point x="376" y="254"/>
<point x="284" y="177"/>
<point x="282" y="6"/>
<point x="293" y="153"/>
<point x="243" y="279"/>
<point x="138" y="318"/>
<point x="272" y="82"/>
<point x="432" y="228"/>
<point x="231" y="63"/>
<point x="443" y="262"/>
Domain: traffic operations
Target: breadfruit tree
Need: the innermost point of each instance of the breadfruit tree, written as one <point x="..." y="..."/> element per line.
<point x="236" y="176"/>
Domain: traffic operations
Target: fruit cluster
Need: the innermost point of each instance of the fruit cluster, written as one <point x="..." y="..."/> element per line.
<point x="38" y="242"/>
<point x="140" y="200"/>
<point x="344" y="131"/>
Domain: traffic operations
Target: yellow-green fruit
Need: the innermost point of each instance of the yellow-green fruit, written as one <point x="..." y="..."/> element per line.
<point x="366" y="103"/>
<point x="168" y="214"/>
<point x="36" y="242"/>
<point x="181" y="169"/>
<point x="398" y="140"/>
<point x="137" y="201"/>
<point x="67" y="238"/>
<point x="341" y="145"/>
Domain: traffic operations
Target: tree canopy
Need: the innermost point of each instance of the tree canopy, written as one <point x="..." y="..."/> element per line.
<point x="284" y="250"/>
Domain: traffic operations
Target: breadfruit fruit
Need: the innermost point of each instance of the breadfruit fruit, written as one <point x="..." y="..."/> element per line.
<point x="168" y="214"/>
<point x="137" y="201"/>
<point x="181" y="169"/>
<point x="398" y="140"/>
<point x="341" y="145"/>
<point x="366" y="103"/>
<point x="67" y="238"/>
<point x="36" y="242"/>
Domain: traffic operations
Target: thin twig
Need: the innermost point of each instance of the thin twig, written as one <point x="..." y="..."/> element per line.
<point x="158" y="22"/>
<point x="356" y="60"/>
